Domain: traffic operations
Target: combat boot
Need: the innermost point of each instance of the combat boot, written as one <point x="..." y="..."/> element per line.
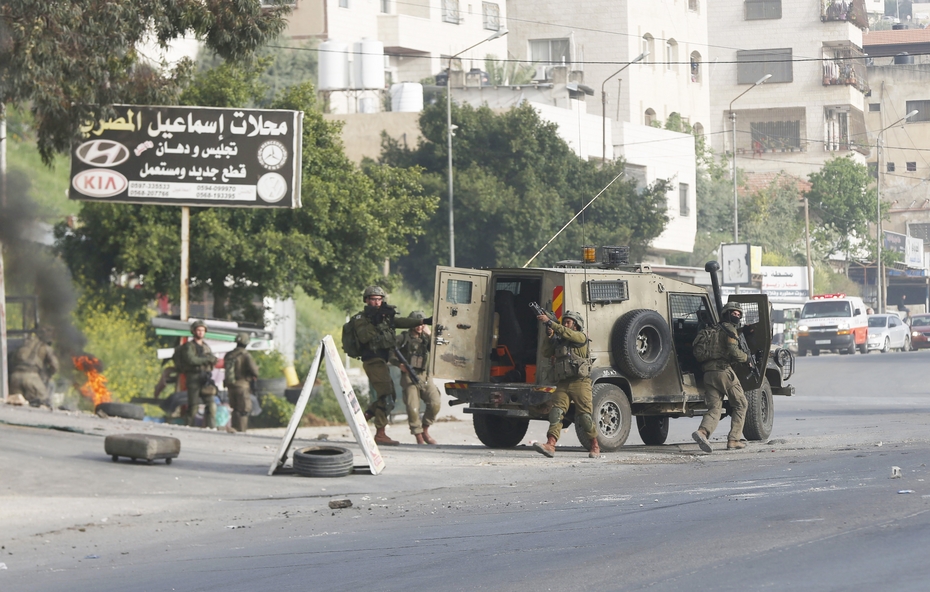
<point x="595" y="450"/>
<point x="384" y="439"/>
<point x="700" y="437"/>
<point x="426" y="437"/>
<point x="420" y="438"/>
<point x="735" y="445"/>
<point x="547" y="449"/>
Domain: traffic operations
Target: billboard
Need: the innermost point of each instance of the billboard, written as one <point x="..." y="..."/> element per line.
<point x="785" y="284"/>
<point x="736" y="269"/>
<point x="190" y="156"/>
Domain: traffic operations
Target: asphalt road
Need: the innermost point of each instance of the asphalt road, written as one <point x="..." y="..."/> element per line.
<point x="814" y="508"/>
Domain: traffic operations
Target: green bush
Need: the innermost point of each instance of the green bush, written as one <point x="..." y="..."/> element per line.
<point x="270" y="364"/>
<point x="276" y="413"/>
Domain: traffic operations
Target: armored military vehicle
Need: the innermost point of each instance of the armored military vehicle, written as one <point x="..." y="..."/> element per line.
<point x="487" y="342"/>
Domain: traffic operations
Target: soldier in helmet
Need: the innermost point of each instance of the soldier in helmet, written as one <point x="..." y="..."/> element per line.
<point x="195" y="360"/>
<point x="414" y="344"/>
<point x="567" y="348"/>
<point x="241" y="370"/>
<point x="721" y="381"/>
<point x="374" y="330"/>
<point x="32" y="365"/>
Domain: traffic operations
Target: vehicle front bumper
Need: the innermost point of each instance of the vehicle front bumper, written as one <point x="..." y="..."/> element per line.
<point x="825" y="341"/>
<point x="920" y="340"/>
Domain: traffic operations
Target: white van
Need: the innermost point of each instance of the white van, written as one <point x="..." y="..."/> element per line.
<point x="834" y="322"/>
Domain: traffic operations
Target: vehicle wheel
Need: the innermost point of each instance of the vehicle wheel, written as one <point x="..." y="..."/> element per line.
<point x="907" y="343"/>
<point x="886" y="346"/>
<point x="323" y="461"/>
<point x="852" y="348"/>
<point x="642" y="343"/>
<point x="815" y="352"/>
<point x="611" y="415"/>
<point x="124" y="410"/>
<point x="760" y="415"/>
<point x="495" y="431"/>
<point x="653" y="429"/>
<point x="802" y="353"/>
<point x="863" y="349"/>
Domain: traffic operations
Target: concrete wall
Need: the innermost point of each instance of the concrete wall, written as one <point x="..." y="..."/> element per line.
<point x="361" y="132"/>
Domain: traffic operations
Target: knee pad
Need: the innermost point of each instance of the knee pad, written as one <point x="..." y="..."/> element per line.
<point x="555" y="415"/>
<point x="586" y="422"/>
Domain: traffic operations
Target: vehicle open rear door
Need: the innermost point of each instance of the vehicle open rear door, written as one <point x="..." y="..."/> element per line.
<point x="757" y="329"/>
<point x="460" y="328"/>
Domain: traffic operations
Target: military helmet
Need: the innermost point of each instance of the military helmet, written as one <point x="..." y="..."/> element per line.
<point x="417" y="315"/>
<point x="731" y="306"/>
<point x="45" y="334"/>
<point x="575" y="317"/>
<point x="373" y="291"/>
<point x="196" y="324"/>
<point x="243" y="338"/>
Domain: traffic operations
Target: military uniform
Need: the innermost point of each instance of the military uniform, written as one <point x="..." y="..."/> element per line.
<point x="567" y="350"/>
<point x="196" y="362"/>
<point x="721" y="381"/>
<point x="241" y="369"/>
<point x="415" y="348"/>
<point x="32" y="364"/>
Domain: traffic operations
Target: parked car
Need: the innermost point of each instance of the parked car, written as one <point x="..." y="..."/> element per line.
<point x="887" y="332"/>
<point x="920" y="331"/>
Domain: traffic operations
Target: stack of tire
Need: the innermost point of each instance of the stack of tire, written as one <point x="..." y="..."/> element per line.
<point x="323" y="461"/>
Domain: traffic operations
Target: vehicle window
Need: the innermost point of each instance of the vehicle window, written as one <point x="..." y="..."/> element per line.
<point x="687" y="306"/>
<point x="920" y="322"/>
<point x="458" y="292"/>
<point x="826" y="308"/>
<point x="877" y="321"/>
<point x="895" y="321"/>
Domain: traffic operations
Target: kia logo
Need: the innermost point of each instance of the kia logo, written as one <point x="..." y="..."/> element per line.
<point x="99" y="183"/>
<point x="105" y="153"/>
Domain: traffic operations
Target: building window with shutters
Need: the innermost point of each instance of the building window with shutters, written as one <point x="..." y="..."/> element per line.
<point x="923" y="110"/>
<point x="450" y="11"/>
<point x="762" y="9"/>
<point x="753" y="64"/>
<point x="911" y="167"/>
<point x="684" y="207"/>
<point x="550" y="51"/>
<point x="491" y="13"/>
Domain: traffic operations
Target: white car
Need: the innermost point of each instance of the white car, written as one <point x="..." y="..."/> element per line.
<point x="887" y="332"/>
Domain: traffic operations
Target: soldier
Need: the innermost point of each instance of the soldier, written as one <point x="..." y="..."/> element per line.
<point x="374" y="331"/>
<point x="195" y="360"/>
<point x="567" y="348"/>
<point x="414" y="344"/>
<point x="32" y="365"/>
<point x="241" y="370"/>
<point x="720" y="381"/>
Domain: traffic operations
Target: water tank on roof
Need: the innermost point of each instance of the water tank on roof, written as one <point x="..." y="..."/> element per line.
<point x="407" y="97"/>
<point x="334" y="66"/>
<point x="369" y="64"/>
<point x="903" y="58"/>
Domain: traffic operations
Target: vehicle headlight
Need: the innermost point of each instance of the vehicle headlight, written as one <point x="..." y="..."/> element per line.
<point x="843" y="326"/>
<point x="803" y="328"/>
<point x="915" y="333"/>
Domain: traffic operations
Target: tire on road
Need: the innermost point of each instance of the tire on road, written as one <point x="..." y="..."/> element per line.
<point x="653" y="429"/>
<point x="886" y="346"/>
<point x="641" y="343"/>
<point x="323" y="461"/>
<point x="495" y="431"/>
<point x="124" y="410"/>
<point x="863" y="348"/>
<point x="760" y="415"/>
<point x="611" y="415"/>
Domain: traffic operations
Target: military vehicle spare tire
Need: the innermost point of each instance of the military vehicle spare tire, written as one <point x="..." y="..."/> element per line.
<point x="124" y="410"/>
<point x="611" y="415"/>
<point x="761" y="412"/>
<point x="323" y="461"/>
<point x="653" y="429"/>
<point x="641" y="343"/>
<point x="496" y="431"/>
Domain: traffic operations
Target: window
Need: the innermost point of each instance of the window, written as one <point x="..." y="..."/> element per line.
<point x="873" y="169"/>
<point x="343" y="3"/>
<point x="650" y="117"/>
<point x="923" y="110"/>
<point x="911" y="167"/>
<point x="550" y="51"/>
<point x="607" y="291"/>
<point x="684" y="207"/>
<point x="386" y="6"/>
<point x="458" y="292"/>
<point x="695" y="66"/>
<point x="875" y="107"/>
<point x="694" y="5"/>
<point x="450" y="11"/>
<point x="753" y="64"/>
<point x="649" y="48"/>
<point x="763" y="9"/>
<point x="776" y="135"/>
<point x="889" y="167"/>
<point x="671" y="54"/>
<point x="492" y="16"/>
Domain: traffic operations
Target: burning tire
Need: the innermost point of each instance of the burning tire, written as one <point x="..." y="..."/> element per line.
<point x="124" y="410"/>
<point x="323" y="461"/>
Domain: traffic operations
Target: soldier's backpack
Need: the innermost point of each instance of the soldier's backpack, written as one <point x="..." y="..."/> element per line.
<point x="350" y="344"/>
<point x="706" y="344"/>
<point x="178" y="360"/>
<point x="229" y="364"/>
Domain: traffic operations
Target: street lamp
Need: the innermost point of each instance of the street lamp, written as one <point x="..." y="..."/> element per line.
<point x="638" y="58"/>
<point x="733" y="125"/>
<point x="879" y="301"/>
<point x="499" y="33"/>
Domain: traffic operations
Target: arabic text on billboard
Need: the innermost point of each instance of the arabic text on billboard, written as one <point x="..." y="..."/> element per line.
<point x="190" y="156"/>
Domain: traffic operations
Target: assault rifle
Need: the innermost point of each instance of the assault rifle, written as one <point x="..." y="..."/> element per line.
<point x="410" y="370"/>
<point x="539" y="311"/>
<point x="751" y="357"/>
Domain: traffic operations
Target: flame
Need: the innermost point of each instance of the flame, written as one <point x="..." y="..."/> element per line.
<point x="96" y="386"/>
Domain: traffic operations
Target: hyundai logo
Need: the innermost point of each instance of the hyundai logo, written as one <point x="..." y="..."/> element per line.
<point x="99" y="183"/>
<point x="106" y="153"/>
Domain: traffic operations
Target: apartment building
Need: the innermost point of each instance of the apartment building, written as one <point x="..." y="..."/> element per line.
<point x="810" y="109"/>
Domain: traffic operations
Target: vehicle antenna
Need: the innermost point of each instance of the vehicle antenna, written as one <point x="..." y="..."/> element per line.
<point x="554" y="236"/>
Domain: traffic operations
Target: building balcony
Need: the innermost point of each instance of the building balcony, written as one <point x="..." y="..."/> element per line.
<point x="844" y="64"/>
<point x="850" y="11"/>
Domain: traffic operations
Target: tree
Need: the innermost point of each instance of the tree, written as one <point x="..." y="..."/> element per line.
<point x="503" y="73"/>
<point x="71" y="60"/>
<point x="516" y="183"/>
<point x="351" y="220"/>
<point x="771" y="218"/>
